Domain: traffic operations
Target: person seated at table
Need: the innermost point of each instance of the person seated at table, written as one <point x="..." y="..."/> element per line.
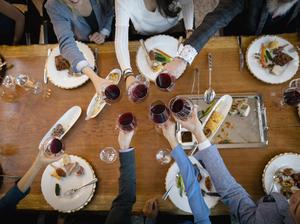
<point x="272" y="208"/>
<point x="120" y="212"/>
<point x="148" y="17"/>
<point x="10" y="200"/>
<point x="84" y="21"/>
<point x="239" y="17"/>
<point x="12" y="23"/>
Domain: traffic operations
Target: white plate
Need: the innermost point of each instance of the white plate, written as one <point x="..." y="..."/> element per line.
<point x="77" y="201"/>
<point x="99" y="105"/>
<point x="61" y="78"/>
<point x="174" y="195"/>
<point x="67" y="121"/>
<point x="263" y="74"/>
<point x="222" y="106"/>
<point x="291" y="160"/>
<point x="167" y="44"/>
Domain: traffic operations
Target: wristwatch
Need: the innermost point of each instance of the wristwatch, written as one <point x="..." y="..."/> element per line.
<point x="127" y="72"/>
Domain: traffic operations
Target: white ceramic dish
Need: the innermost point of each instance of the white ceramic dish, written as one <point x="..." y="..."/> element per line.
<point x="291" y="160"/>
<point x="61" y="78"/>
<point x="222" y="106"/>
<point x="174" y="194"/>
<point x="95" y="106"/>
<point x="167" y="44"/>
<point x="67" y="121"/>
<point x="263" y="74"/>
<point x="80" y="198"/>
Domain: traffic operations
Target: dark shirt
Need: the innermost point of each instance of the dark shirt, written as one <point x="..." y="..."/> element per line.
<point x="92" y="21"/>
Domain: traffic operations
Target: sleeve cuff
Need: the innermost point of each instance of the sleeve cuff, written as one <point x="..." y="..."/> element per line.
<point x="126" y="150"/>
<point x="204" y="145"/>
<point x="188" y="53"/>
<point x="80" y="65"/>
<point x="105" y="32"/>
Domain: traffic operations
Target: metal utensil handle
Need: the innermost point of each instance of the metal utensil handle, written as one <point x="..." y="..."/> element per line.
<point x="10" y="176"/>
<point x="209" y="69"/>
<point x="89" y="183"/>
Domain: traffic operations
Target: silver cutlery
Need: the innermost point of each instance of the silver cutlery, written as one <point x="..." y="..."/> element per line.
<point x="179" y="42"/>
<point x="241" y="55"/>
<point x="2" y="64"/>
<point x="96" y="54"/>
<point x="45" y="69"/>
<point x="10" y="176"/>
<point x="150" y="62"/>
<point x="166" y="194"/>
<point x="209" y="94"/>
<point x="213" y="194"/>
<point x="294" y="49"/>
<point x="72" y="191"/>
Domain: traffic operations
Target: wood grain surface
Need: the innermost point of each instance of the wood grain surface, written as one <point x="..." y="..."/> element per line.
<point x="24" y="123"/>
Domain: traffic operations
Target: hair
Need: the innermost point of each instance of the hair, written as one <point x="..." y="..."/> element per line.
<point x="168" y="8"/>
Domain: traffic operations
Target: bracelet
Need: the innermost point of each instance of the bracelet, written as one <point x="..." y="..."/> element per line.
<point x="127" y="74"/>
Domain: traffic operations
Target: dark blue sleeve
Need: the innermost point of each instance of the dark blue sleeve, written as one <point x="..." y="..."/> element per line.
<point x="10" y="200"/>
<point x="122" y="205"/>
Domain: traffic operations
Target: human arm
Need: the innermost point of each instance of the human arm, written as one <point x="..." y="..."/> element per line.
<point x="188" y="15"/>
<point x="106" y="29"/>
<point x="122" y="205"/>
<point x="12" y="12"/>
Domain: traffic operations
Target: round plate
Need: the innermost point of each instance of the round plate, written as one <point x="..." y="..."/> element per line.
<point x="291" y="160"/>
<point x="77" y="201"/>
<point x="263" y="74"/>
<point x="182" y="202"/>
<point x="61" y="78"/>
<point x="167" y="44"/>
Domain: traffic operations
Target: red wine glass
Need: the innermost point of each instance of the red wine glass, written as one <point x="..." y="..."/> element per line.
<point x="291" y="96"/>
<point x="181" y="107"/>
<point x="53" y="147"/>
<point x="165" y="81"/>
<point x="159" y="112"/>
<point x="138" y="90"/>
<point x="111" y="93"/>
<point x="127" y="122"/>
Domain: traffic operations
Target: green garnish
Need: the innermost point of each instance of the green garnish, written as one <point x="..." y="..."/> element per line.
<point x="57" y="189"/>
<point x="180" y="185"/>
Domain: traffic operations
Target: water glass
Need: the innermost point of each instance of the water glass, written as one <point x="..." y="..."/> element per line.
<point x="108" y="155"/>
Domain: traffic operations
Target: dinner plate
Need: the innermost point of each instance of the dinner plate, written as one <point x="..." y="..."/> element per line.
<point x="291" y="160"/>
<point x="67" y="121"/>
<point x="174" y="195"/>
<point x="96" y="105"/>
<point x="80" y="198"/>
<point x="222" y="106"/>
<point x="61" y="78"/>
<point x="263" y="74"/>
<point x="167" y="44"/>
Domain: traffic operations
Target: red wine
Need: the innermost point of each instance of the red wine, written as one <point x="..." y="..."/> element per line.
<point x="112" y="92"/>
<point x="139" y="92"/>
<point x="159" y="113"/>
<point x="165" y="81"/>
<point x="56" y="146"/>
<point x="127" y="121"/>
<point x="177" y="105"/>
<point x="181" y="107"/>
<point x="292" y="96"/>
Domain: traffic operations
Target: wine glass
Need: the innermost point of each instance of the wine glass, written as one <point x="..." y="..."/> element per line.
<point x="295" y="83"/>
<point x="127" y="122"/>
<point x="163" y="156"/>
<point x="291" y="96"/>
<point x="181" y="107"/>
<point x="159" y="112"/>
<point x="53" y="147"/>
<point x="8" y="90"/>
<point x="108" y="155"/>
<point x="138" y="90"/>
<point x="165" y="81"/>
<point x="111" y="93"/>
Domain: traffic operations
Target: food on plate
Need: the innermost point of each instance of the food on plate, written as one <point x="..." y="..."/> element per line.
<point x="241" y="107"/>
<point x="57" y="189"/>
<point x="159" y="59"/>
<point x="213" y="123"/>
<point x="289" y="181"/>
<point x="180" y="184"/>
<point x="203" y="113"/>
<point x="272" y="57"/>
<point x="199" y="177"/>
<point x="114" y="77"/>
<point x="208" y="183"/>
<point x="61" y="63"/>
<point x="58" y="131"/>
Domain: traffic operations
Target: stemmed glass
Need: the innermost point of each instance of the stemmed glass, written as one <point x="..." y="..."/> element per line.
<point x="138" y="90"/>
<point x="165" y="81"/>
<point x="111" y="93"/>
<point x="108" y="155"/>
<point x="163" y="156"/>
<point x="159" y="112"/>
<point x="291" y="95"/>
<point x="181" y="107"/>
<point x="127" y="122"/>
<point x="53" y="147"/>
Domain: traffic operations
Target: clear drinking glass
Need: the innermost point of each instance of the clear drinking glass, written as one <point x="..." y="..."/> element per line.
<point x="108" y="155"/>
<point x="159" y="112"/>
<point x="127" y="122"/>
<point x="53" y="147"/>
<point x="163" y="156"/>
<point x="138" y="90"/>
<point x="165" y="81"/>
<point x="181" y="107"/>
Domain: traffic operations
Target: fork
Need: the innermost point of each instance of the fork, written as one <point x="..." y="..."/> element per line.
<point x="213" y="194"/>
<point x="166" y="194"/>
<point x="74" y="190"/>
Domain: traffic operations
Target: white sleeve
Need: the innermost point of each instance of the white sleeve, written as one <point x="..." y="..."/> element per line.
<point x="188" y="13"/>
<point x="121" y="38"/>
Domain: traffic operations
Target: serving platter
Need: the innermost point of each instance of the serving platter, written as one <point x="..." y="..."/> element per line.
<point x="236" y="131"/>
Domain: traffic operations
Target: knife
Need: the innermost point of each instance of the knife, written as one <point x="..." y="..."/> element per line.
<point x="45" y="69"/>
<point x="239" y="40"/>
<point x="149" y="61"/>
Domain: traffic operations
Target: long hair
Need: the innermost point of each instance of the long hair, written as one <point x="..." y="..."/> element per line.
<point x="168" y="8"/>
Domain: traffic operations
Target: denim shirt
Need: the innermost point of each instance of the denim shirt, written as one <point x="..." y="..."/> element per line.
<point x="69" y="26"/>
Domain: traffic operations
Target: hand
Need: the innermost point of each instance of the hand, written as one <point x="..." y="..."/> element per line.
<point x="97" y="38"/>
<point x="176" y="67"/>
<point x="41" y="159"/>
<point x="100" y="84"/>
<point x="168" y="129"/>
<point x="150" y="209"/>
<point x="188" y="34"/>
<point x="124" y="139"/>
<point x="193" y="125"/>
<point x="130" y="79"/>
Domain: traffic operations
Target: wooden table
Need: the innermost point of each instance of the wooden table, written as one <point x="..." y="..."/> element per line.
<point x="24" y="123"/>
